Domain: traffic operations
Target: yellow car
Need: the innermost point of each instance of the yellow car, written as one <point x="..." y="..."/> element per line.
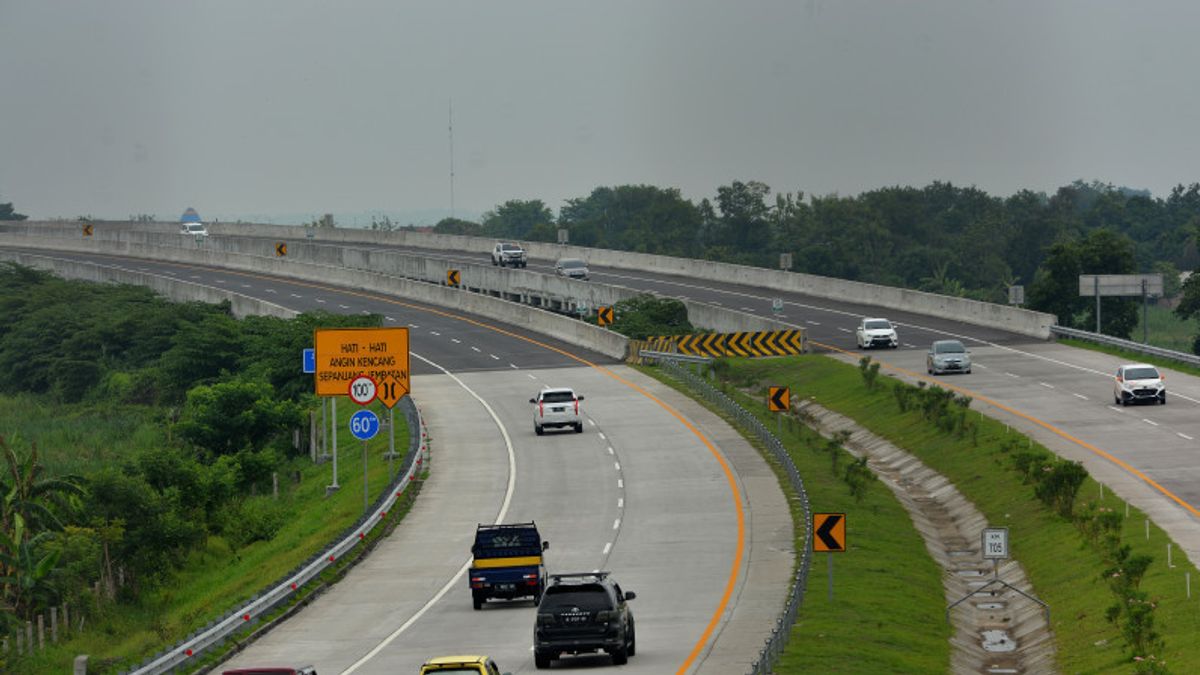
<point x="475" y="665"/>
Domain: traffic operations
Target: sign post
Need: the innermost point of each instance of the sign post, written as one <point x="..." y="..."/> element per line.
<point x="829" y="536"/>
<point x="779" y="400"/>
<point x="364" y="424"/>
<point x="1121" y="285"/>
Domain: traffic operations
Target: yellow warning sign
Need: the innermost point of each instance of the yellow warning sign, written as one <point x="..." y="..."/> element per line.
<point x="343" y="354"/>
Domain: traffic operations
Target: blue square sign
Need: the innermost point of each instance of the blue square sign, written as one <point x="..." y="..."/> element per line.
<point x="310" y="360"/>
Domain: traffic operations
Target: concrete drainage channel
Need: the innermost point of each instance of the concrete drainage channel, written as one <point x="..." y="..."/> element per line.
<point x="996" y="632"/>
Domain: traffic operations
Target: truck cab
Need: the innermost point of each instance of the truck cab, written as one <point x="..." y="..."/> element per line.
<point x="507" y="563"/>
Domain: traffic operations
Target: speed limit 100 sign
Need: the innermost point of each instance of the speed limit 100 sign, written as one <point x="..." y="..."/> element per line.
<point x="363" y="389"/>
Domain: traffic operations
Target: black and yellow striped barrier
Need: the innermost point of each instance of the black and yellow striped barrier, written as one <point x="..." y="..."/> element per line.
<point x="744" y="344"/>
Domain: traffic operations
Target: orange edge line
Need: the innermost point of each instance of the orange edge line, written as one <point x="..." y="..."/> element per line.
<point x="735" y="568"/>
<point x="1046" y="425"/>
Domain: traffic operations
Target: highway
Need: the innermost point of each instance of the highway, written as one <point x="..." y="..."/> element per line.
<point x="656" y="490"/>
<point x="1059" y="395"/>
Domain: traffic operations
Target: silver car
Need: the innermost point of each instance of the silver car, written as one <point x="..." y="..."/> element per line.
<point x="947" y="356"/>
<point x="573" y="268"/>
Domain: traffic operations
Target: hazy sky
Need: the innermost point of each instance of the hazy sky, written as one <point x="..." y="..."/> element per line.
<point x="238" y="107"/>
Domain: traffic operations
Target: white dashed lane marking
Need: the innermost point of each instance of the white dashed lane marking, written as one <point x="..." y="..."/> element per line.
<point x="456" y="341"/>
<point x="530" y="376"/>
<point x="1185" y="436"/>
<point x="476" y="349"/>
<point x="607" y="547"/>
<point x="1080" y="396"/>
<point x="271" y="290"/>
<point x="344" y="306"/>
<point x="297" y="295"/>
<point x="434" y="332"/>
<point x="1046" y="385"/>
<point x="320" y="301"/>
<point x="1150" y="422"/>
<point x="1012" y="375"/>
<point x="620" y="502"/>
<point x="494" y="357"/>
<point x="601" y="435"/>
<point x="617" y="524"/>
<point x="620" y="484"/>
<point x="617" y="465"/>
<point x="844" y="330"/>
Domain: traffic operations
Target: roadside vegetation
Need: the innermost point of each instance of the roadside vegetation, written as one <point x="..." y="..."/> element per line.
<point x="1116" y="606"/>
<point x="141" y="443"/>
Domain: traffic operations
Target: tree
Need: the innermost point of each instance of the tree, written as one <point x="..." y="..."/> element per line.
<point x="514" y="219"/>
<point x="233" y="415"/>
<point x="7" y="213"/>
<point x="458" y="226"/>
<point x="644" y="315"/>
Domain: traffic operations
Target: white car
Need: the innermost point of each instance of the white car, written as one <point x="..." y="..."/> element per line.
<point x="876" y="333"/>
<point x="193" y="229"/>
<point x="1139" y="383"/>
<point x="556" y="408"/>
<point x="572" y="268"/>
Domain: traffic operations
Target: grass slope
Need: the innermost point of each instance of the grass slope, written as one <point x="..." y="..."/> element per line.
<point x="216" y="578"/>
<point x="1064" y="570"/>
<point x="886" y="615"/>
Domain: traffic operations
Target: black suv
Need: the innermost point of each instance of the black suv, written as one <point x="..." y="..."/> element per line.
<point x="583" y="613"/>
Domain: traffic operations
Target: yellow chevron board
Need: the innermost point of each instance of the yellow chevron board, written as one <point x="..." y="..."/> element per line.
<point x="522" y="561"/>
<point x="742" y="344"/>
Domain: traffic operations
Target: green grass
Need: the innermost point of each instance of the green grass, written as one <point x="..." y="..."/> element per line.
<point x="217" y="578"/>
<point x="1164" y="329"/>
<point x="886" y="615"/>
<point x="1064" y="570"/>
<point x="1132" y="356"/>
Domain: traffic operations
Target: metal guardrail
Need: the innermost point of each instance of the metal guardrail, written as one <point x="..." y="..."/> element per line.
<point x="1183" y="357"/>
<point x="215" y="633"/>
<point x="769" y="655"/>
<point x="687" y="358"/>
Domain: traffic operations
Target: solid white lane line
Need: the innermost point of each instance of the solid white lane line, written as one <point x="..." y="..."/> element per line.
<point x="1080" y="396"/>
<point x="508" y="494"/>
<point x="1046" y="385"/>
<point x="1150" y="422"/>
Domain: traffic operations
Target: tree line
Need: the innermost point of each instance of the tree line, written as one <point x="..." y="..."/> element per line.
<point x="208" y="402"/>
<point x="939" y="238"/>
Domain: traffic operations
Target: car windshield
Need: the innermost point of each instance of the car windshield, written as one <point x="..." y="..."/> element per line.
<point x="195" y="227"/>
<point x="509" y="247"/>
<point x="558" y="397"/>
<point x="456" y="669"/>
<point x="586" y="597"/>
<point x="570" y="263"/>
<point x="1141" y="374"/>
<point x="877" y="324"/>
<point x="949" y="348"/>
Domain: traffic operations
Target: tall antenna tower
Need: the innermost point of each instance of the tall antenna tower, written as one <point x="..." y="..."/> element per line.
<point x="451" y="158"/>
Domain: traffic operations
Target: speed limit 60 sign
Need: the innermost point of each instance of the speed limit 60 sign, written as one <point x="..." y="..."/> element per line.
<point x="363" y="389"/>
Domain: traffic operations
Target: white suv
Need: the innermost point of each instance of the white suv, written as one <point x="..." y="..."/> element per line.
<point x="558" y="407"/>
<point x="506" y="254"/>
<point x="1139" y="383"/>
